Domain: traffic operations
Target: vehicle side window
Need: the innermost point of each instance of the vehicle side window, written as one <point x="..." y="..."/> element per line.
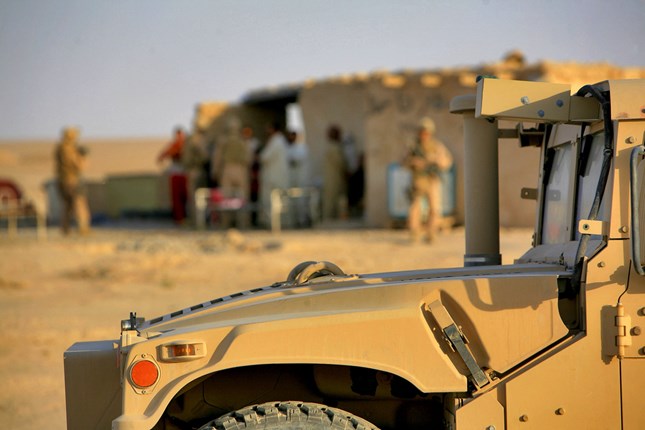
<point x="641" y="208"/>
<point x="556" y="222"/>
<point x="589" y="165"/>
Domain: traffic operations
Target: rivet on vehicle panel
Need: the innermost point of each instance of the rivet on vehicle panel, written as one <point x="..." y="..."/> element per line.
<point x="636" y="331"/>
<point x="525" y="100"/>
<point x="630" y="139"/>
<point x="143" y="391"/>
<point x="641" y="351"/>
<point x="623" y="229"/>
<point x="560" y="411"/>
<point x="559" y="103"/>
<point x="490" y="428"/>
<point x="540" y="113"/>
<point x="601" y="264"/>
<point x="641" y="312"/>
<point x="585" y="226"/>
<point x="524" y="418"/>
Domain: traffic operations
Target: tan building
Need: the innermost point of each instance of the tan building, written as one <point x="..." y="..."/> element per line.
<point x="381" y="111"/>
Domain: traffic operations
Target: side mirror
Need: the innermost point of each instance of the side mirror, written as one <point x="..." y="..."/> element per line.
<point x="637" y="190"/>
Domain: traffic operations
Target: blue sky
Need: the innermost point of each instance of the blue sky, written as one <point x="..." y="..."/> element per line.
<point x="126" y="68"/>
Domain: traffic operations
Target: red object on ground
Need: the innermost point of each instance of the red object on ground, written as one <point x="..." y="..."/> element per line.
<point x="9" y="191"/>
<point x="179" y="196"/>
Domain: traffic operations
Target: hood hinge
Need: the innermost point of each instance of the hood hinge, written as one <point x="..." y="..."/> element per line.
<point x="623" y="325"/>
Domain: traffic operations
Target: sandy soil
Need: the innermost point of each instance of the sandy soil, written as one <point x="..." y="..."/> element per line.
<point x="58" y="291"/>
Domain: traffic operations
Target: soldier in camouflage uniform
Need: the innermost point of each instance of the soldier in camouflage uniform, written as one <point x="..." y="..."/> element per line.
<point x="196" y="162"/>
<point x="70" y="159"/>
<point x="231" y="162"/>
<point x="427" y="159"/>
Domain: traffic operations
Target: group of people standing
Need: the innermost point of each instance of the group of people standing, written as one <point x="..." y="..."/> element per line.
<point x="238" y="167"/>
<point x="241" y="168"/>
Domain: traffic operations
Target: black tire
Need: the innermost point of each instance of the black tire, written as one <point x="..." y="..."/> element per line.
<point x="289" y="416"/>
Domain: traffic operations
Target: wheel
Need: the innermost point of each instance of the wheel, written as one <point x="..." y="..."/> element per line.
<point x="289" y="416"/>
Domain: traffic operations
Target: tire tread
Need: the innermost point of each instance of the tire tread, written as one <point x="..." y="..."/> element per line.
<point x="289" y="415"/>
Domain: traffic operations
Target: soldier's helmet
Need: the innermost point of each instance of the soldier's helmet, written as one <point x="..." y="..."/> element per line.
<point x="427" y="124"/>
<point x="70" y="134"/>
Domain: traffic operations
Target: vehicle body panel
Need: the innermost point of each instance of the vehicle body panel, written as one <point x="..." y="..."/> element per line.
<point x="360" y="325"/>
<point x="92" y="372"/>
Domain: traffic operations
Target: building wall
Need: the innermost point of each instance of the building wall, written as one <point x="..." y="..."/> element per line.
<point x="338" y="102"/>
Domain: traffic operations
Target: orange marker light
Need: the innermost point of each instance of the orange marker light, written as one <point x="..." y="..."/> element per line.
<point x="144" y="373"/>
<point x="182" y="350"/>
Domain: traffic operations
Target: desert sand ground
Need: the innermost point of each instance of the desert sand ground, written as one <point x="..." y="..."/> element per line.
<point x="61" y="290"/>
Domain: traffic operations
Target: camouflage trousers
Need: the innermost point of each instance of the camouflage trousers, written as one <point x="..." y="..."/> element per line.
<point x="425" y="189"/>
<point x="74" y="206"/>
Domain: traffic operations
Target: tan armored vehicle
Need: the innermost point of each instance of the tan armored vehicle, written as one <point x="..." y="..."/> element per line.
<point x="553" y="341"/>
